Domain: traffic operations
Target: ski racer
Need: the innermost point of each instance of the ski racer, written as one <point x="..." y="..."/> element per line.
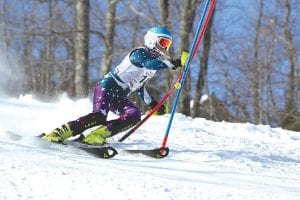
<point x="111" y="91"/>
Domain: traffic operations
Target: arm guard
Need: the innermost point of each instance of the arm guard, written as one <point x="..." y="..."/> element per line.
<point x="144" y="95"/>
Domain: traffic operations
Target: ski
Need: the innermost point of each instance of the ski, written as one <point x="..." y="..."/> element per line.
<point x="153" y="153"/>
<point x="73" y="147"/>
<point x="106" y="151"/>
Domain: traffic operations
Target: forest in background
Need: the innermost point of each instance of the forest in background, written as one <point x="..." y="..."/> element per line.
<point x="248" y="63"/>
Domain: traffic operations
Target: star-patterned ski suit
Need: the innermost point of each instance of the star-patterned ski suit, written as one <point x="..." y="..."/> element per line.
<point x="111" y="91"/>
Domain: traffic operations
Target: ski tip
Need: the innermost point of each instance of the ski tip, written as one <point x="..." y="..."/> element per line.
<point x="100" y="152"/>
<point x="109" y="153"/>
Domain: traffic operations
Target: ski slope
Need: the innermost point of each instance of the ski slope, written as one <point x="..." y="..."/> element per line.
<point x="207" y="160"/>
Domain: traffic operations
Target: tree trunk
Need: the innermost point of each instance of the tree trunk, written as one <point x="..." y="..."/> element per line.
<point x="49" y="52"/>
<point x="186" y="27"/>
<point x="82" y="48"/>
<point x="257" y="71"/>
<point x="203" y="70"/>
<point x="270" y="97"/>
<point x="291" y="53"/>
<point x="109" y="36"/>
<point x="4" y="29"/>
<point x="165" y="22"/>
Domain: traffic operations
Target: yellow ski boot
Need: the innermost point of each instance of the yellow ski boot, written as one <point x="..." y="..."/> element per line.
<point x="97" y="136"/>
<point x="59" y="134"/>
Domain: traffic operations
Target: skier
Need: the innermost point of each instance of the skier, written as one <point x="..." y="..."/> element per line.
<point x="111" y="91"/>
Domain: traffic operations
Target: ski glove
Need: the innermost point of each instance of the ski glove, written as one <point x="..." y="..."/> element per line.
<point x="176" y="62"/>
<point x="180" y="62"/>
<point x="162" y="109"/>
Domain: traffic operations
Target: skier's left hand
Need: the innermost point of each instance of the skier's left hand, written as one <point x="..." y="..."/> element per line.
<point x="162" y="110"/>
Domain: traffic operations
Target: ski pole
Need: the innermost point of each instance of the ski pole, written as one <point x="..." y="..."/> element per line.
<point x="195" y="45"/>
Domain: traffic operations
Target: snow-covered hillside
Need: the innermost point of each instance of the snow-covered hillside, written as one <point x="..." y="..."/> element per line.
<point x="207" y="160"/>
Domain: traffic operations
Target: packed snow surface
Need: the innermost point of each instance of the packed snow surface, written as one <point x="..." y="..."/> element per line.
<point x="207" y="160"/>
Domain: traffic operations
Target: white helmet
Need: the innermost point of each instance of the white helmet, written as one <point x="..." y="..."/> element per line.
<point x="158" y="38"/>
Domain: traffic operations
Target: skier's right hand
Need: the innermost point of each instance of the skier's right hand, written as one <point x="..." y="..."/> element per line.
<point x="180" y="62"/>
<point x="176" y="62"/>
<point x="162" y="109"/>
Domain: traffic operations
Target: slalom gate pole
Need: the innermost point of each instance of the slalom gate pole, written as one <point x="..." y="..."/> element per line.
<point x="206" y="15"/>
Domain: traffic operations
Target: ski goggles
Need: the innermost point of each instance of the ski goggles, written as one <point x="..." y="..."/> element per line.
<point x="164" y="42"/>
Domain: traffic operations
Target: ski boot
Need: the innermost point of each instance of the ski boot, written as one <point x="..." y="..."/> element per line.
<point x="97" y="136"/>
<point x="59" y="134"/>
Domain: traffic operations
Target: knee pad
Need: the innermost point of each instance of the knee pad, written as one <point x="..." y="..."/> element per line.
<point x="133" y="114"/>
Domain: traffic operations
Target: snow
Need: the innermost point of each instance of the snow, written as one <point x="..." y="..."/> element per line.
<point x="208" y="160"/>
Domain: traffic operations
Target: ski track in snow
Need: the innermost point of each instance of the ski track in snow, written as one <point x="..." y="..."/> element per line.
<point x="208" y="160"/>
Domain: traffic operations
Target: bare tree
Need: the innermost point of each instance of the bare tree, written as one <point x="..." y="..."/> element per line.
<point x="82" y="48"/>
<point x="165" y="22"/>
<point x="186" y="24"/>
<point x="271" y="109"/>
<point x="203" y="69"/>
<point x="48" y="65"/>
<point x="109" y="36"/>
<point x="292" y="57"/>
<point x="291" y="118"/>
<point x="257" y="71"/>
<point x="4" y="27"/>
